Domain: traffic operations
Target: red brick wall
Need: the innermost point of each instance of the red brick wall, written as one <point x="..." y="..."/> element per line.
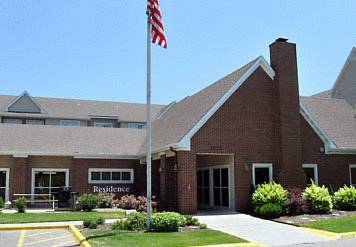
<point x="19" y="175"/>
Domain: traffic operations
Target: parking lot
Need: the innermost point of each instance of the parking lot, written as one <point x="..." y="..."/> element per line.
<point x="38" y="238"/>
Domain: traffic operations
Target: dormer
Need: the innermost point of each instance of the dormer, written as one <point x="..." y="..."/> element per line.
<point x="24" y="104"/>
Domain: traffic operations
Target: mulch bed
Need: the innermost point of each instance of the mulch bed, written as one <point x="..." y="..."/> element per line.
<point x="301" y="220"/>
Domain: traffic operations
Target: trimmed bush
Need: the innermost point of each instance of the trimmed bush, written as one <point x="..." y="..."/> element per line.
<point x="271" y="193"/>
<point x="191" y="221"/>
<point x="127" y="202"/>
<point x="106" y="200"/>
<point x="119" y="225"/>
<point x="138" y="203"/>
<point x="2" y="203"/>
<point x="203" y="226"/>
<point x="93" y="225"/>
<point x="20" y="204"/>
<point x="318" y="199"/>
<point x="134" y="222"/>
<point x="100" y="221"/>
<point x="87" y="202"/>
<point x="345" y="198"/>
<point x="270" y="210"/>
<point x="167" y="221"/>
<point x="86" y="223"/>
<point x="296" y="203"/>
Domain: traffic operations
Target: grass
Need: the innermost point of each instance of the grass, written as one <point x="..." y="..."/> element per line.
<point x="98" y="238"/>
<point x="53" y="217"/>
<point x="347" y="224"/>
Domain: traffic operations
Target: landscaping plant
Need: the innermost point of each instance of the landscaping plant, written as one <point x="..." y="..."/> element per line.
<point x="191" y="221"/>
<point x="134" y="222"/>
<point x="87" y="202"/>
<point x="271" y="193"/>
<point x="127" y="202"/>
<point x="167" y="221"/>
<point x="318" y="199"/>
<point x="270" y="210"/>
<point x="296" y="202"/>
<point x="20" y="204"/>
<point x="100" y="221"/>
<point x="2" y="203"/>
<point x="138" y="203"/>
<point x="345" y="198"/>
<point x="106" y="200"/>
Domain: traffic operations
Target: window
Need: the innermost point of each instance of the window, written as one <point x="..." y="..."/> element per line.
<point x="103" y="125"/>
<point x="12" y="120"/>
<point x="353" y="175"/>
<point x="35" y="121"/>
<point x="136" y="125"/>
<point x="69" y="123"/>
<point x="311" y="173"/>
<point x="110" y="176"/>
<point x="4" y="183"/>
<point x="48" y="180"/>
<point x="261" y="173"/>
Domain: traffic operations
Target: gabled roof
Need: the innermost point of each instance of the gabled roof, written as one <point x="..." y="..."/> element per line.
<point x="83" y="109"/>
<point x="16" y="105"/>
<point x="21" y="139"/>
<point x="323" y="94"/>
<point x="183" y="119"/>
<point x="350" y="59"/>
<point x="333" y="120"/>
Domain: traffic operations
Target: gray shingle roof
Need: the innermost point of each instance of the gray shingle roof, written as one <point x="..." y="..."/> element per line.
<point x="323" y="94"/>
<point x="183" y="115"/>
<point x="85" y="109"/>
<point x="73" y="141"/>
<point x="336" y="117"/>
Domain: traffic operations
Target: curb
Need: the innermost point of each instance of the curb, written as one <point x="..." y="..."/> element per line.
<point x="81" y="240"/>
<point x="329" y="235"/>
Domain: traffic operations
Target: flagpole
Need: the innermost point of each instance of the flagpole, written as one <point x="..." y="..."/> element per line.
<point x="149" y="126"/>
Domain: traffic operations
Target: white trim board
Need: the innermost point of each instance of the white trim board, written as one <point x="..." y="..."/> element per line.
<point x="130" y="170"/>
<point x="262" y="165"/>
<point x="316" y="173"/>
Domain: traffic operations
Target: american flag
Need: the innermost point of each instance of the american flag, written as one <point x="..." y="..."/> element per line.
<point x="157" y="28"/>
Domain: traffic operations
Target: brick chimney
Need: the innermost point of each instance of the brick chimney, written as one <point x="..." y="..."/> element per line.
<point x="288" y="149"/>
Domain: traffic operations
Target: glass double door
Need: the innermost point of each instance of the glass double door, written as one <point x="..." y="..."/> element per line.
<point x="213" y="187"/>
<point x="49" y="182"/>
<point x="4" y="175"/>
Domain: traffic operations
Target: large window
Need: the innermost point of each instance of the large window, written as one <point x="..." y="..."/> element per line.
<point x="35" y="121"/>
<point x="48" y="181"/>
<point x="103" y="125"/>
<point x="311" y="173"/>
<point x="12" y="120"/>
<point x="4" y="183"/>
<point x="110" y="176"/>
<point x="353" y="175"/>
<point x="262" y="173"/>
<point x="70" y="123"/>
<point x="136" y="125"/>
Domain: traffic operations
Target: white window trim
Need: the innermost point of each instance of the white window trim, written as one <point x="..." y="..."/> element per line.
<point x="131" y="181"/>
<point x="7" y="183"/>
<point x="352" y="166"/>
<point x="96" y="123"/>
<point x="34" y="170"/>
<point x="262" y="165"/>
<point x="316" y="174"/>
<point x="68" y="120"/>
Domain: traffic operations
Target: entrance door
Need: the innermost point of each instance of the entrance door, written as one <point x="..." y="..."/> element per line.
<point x="48" y="181"/>
<point x="221" y="187"/>
<point x="4" y="184"/>
<point x="213" y="186"/>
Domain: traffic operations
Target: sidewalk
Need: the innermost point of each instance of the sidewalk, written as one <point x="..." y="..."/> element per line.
<point x="258" y="230"/>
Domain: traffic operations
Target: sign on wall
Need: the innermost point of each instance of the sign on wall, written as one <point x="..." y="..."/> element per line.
<point x="110" y="189"/>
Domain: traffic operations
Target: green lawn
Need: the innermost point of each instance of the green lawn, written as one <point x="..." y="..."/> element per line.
<point x="159" y="239"/>
<point x="347" y="224"/>
<point x="52" y="217"/>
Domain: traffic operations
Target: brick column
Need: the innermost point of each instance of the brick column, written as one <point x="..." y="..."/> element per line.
<point x="20" y="177"/>
<point x="163" y="171"/>
<point x="187" y="182"/>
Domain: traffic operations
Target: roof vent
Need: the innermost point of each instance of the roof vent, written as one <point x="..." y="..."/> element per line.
<point x="280" y="39"/>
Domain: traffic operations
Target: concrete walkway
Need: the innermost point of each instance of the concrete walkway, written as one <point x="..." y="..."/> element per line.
<point x="255" y="229"/>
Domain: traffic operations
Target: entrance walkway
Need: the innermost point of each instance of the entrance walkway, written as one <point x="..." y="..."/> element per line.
<point x="255" y="229"/>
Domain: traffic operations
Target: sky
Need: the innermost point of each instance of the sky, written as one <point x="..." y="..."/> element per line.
<point x="97" y="49"/>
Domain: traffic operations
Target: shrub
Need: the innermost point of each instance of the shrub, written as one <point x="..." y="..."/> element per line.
<point x="93" y="224"/>
<point x="127" y="202"/>
<point x="100" y="221"/>
<point x="296" y="203"/>
<point x="203" y="226"/>
<point x="345" y="198"/>
<point x="270" y="210"/>
<point x="270" y="194"/>
<point x="106" y="200"/>
<point x="119" y="225"/>
<point x="318" y="199"/>
<point x="191" y="221"/>
<point x="86" y="223"/>
<point x="134" y="222"/>
<point x="87" y="202"/>
<point x="2" y="203"/>
<point x="20" y="204"/>
<point x="167" y="221"/>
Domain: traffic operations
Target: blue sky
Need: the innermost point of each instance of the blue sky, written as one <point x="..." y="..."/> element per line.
<point x="96" y="49"/>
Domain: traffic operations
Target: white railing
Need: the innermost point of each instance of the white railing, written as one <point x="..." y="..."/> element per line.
<point x="31" y="199"/>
